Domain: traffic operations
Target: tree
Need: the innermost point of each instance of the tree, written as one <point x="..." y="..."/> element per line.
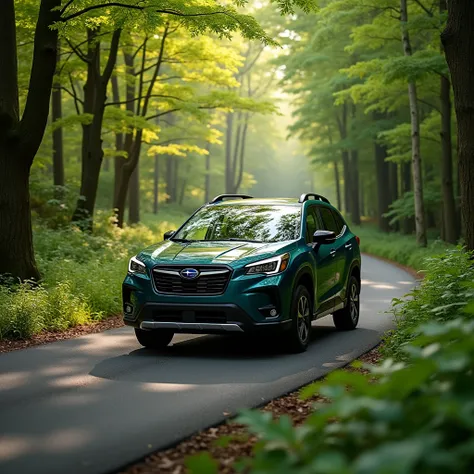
<point x="458" y="41"/>
<point x="20" y="136"/>
<point x="21" y="133"/>
<point x="415" y="136"/>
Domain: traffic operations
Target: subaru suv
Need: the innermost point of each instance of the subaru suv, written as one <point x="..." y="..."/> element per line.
<point x="246" y="265"/>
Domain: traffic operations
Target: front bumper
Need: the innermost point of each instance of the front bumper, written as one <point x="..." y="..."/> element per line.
<point x="200" y="319"/>
<point x="249" y="304"/>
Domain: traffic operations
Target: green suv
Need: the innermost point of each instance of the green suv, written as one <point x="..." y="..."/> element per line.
<point x="246" y="265"/>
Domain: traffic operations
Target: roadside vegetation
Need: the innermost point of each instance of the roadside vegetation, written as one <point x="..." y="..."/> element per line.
<point x="411" y="412"/>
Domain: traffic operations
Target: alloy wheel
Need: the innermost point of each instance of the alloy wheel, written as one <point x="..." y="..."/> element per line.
<point x="303" y="321"/>
<point x="354" y="303"/>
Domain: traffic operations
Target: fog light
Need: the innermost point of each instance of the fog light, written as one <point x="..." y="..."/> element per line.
<point x="128" y="308"/>
<point x="273" y="312"/>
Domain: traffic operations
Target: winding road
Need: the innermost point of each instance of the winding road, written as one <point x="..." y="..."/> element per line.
<point x="98" y="402"/>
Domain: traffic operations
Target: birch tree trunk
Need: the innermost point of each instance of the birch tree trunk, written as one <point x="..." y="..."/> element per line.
<point x="415" y="136"/>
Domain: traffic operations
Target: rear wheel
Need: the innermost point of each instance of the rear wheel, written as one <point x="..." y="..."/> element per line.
<point x="301" y="312"/>
<point x="347" y="318"/>
<point x="154" y="339"/>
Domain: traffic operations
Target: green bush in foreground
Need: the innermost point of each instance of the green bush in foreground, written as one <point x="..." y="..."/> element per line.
<point x="443" y="293"/>
<point x="414" y="416"/>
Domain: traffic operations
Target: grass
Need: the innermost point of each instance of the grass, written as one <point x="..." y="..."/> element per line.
<point x="82" y="275"/>
<point x="399" y="248"/>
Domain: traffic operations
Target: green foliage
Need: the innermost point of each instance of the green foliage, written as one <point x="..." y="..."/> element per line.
<point x="406" y="417"/>
<point x="396" y="247"/>
<point x="442" y="296"/>
<point x="82" y="275"/>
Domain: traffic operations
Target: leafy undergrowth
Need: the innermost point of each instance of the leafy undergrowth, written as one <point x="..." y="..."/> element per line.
<point x="399" y="248"/>
<point x="408" y="416"/>
<point x="82" y="276"/>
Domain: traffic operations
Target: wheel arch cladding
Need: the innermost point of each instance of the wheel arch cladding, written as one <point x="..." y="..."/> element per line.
<point x="355" y="271"/>
<point x="306" y="280"/>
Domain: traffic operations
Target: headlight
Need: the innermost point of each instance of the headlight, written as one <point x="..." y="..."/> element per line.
<point x="270" y="266"/>
<point x="135" y="266"/>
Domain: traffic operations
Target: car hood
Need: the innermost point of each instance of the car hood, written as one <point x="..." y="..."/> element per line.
<point x="203" y="253"/>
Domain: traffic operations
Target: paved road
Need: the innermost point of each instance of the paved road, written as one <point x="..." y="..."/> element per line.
<point x="93" y="404"/>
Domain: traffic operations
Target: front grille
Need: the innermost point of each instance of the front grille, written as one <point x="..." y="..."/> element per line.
<point x="211" y="281"/>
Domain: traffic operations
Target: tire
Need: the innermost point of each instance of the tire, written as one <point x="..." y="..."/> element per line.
<point x="154" y="339"/>
<point x="302" y="314"/>
<point x="347" y="318"/>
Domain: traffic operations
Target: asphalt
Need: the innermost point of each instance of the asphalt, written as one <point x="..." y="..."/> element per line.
<point x="98" y="402"/>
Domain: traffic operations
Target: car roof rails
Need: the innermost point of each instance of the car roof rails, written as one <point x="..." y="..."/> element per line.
<point x="221" y="197"/>
<point x="306" y="196"/>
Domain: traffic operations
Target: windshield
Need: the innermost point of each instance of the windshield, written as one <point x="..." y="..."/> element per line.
<point x="243" y="222"/>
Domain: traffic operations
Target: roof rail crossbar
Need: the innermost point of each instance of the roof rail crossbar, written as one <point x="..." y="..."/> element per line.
<point x="306" y="196"/>
<point x="221" y="197"/>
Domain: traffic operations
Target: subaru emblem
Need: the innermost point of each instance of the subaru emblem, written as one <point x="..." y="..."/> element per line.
<point x="189" y="273"/>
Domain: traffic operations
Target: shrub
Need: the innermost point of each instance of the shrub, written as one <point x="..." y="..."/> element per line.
<point x="403" y="417"/>
<point x="416" y="418"/>
<point x="82" y="276"/>
<point x="397" y="247"/>
<point x="441" y="296"/>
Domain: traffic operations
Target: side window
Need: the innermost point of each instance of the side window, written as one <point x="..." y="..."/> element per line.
<point x="328" y="219"/>
<point x="339" y="222"/>
<point x="311" y="224"/>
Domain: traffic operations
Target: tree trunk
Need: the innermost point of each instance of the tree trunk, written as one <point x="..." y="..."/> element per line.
<point x="170" y="192"/>
<point x="95" y="96"/>
<point x="450" y="224"/>
<point x="415" y="136"/>
<point x="20" y="140"/>
<point x="408" y="223"/>
<point x="156" y="184"/>
<point x="134" y="197"/>
<point x="354" y="188"/>
<point x="207" y="176"/>
<point x="229" y="172"/>
<point x="347" y="180"/>
<point x="58" y="149"/>
<point x="338" y="184"/>
<point x="383" y="190"/>
<point x="393" y="177"/>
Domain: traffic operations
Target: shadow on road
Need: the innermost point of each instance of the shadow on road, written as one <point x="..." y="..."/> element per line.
<point x="225" y="359"/>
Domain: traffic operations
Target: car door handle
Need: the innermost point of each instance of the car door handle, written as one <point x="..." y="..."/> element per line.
<point x="332" y="253"/>
<point x="348" y="246"/>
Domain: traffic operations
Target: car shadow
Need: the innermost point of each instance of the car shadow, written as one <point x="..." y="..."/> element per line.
<point x="224" y="359"/>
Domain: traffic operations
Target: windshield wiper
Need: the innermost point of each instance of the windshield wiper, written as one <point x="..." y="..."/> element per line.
<point x="183" y="241"/>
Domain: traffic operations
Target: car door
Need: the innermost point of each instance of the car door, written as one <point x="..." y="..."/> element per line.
<point x="346" y="242"/>
<point x="336" y="254"/>
<point x="324" y="261"/>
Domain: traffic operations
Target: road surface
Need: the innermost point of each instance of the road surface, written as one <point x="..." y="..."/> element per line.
<point x="98" y="402"/>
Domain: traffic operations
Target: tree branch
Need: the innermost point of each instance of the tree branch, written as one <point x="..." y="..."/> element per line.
<point x="141" y="8"/>
<point x="109" y="67"/>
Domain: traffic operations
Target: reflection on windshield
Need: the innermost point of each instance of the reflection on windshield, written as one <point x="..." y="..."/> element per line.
<point x="243" y="222"/>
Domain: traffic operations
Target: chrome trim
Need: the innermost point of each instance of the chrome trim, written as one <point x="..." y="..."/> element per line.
<point x="168" y="272"/>
<point x="214" y="272"/>
<point x="195" y="326"/>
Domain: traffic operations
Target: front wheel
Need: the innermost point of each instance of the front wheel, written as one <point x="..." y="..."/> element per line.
<point x="301" y="313"/>
<point x="347" y="318"/>
<point x="155" y="338"/>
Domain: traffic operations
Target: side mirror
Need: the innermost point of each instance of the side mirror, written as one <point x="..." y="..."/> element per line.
<point x="321" y="237"/>
<point x="169" y="234"/>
